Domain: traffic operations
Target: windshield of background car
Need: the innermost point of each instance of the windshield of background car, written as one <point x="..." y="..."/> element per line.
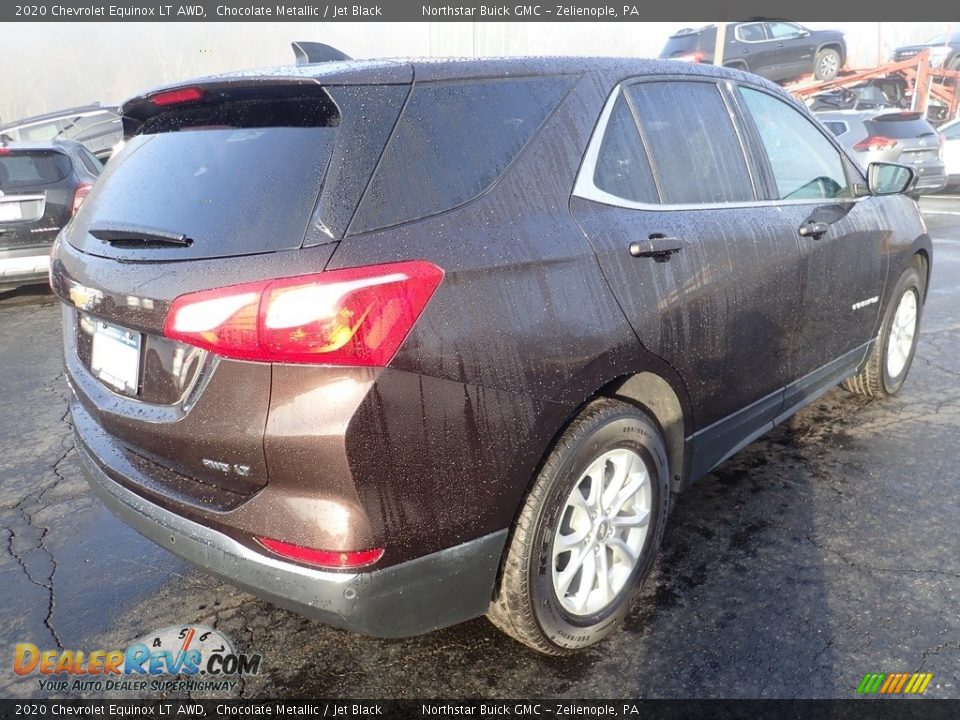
<point x="26" y="169"/>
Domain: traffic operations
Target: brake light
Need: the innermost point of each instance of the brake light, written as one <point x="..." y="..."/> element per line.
<point x="322" y="558"/>
<point x="356" y="316"/>
<point x="4" y="151"/>
<point x="875" y="142"/>
<point x="696" y="57"/>
<point x="79" y="195"/>
<point x="177" y="97"/>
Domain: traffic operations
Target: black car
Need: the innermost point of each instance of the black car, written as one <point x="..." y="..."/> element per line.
<point x="775" y="49"/>
<point x="944" y="51"/>
<point x="401" y="343"/>
<point x="41" y="187"/>
<point x="97" y="127"/>
<point x="888" y="92"/>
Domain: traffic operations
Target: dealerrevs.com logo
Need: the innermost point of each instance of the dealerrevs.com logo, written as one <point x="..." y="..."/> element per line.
<point x="178" y="658"/>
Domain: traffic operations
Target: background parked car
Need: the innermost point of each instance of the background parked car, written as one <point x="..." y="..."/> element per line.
<point x="889" y="92"/>
<point x="944" y="51"/>
<point x="951" y="152"/>
<point x="896" y="137"/>
<point x="97" y="127"/>
<point x="774" y="49"/>
<point x="41" y="187"/>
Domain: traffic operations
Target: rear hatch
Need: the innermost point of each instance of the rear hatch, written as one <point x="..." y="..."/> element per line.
<point x="217" y="185"/>
<point x="36" y="196"/>
<point x="917" y="140"/>
<point x="690" y="44"/>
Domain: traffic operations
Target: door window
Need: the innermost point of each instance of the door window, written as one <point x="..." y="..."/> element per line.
<point x="783" y="31"/>
<point x="751" y="33"/>
<point x="692" y="143"/>
<point x="805" y="164"/>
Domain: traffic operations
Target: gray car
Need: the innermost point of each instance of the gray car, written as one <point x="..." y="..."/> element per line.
<point x="896" y="137"/>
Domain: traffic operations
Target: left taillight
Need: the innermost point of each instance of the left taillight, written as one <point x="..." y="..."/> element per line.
<point x="79" y="195"/>
<point x="355" y="316"/>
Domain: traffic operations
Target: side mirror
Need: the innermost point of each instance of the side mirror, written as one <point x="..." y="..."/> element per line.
<point x="803" y="33"/>
<point x="888" y="178"/>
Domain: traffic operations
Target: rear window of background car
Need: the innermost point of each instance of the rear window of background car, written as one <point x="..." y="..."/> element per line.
<point x="692" y="144"/>
<point x="25" y="169"/>
<point x="804" y="163"/>
<point x="900" y="126"/>
<point x="452" y="142"/>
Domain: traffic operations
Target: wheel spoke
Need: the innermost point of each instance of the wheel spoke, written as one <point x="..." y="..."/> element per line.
<point x="618" y="545"/>
<point x="570" y="571"/>
<point x="622" y="465"/>
<point x="588" y="580"/>
<point x="603" y="577"/>
<point x="629" y="490"/>
<point x="570" y="541"/>
<point x="640" y="519"/>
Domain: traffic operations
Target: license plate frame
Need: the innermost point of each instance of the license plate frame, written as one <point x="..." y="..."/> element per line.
<point x="115" y="356"/>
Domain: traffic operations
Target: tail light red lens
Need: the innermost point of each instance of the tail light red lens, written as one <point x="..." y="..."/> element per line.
<point x="356" y="316"/>
<point x="322" y="558"/>
<point x="79" y="195"/>
<point x="875" y="142"/>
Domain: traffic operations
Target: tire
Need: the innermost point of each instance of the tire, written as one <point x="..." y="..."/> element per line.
<point x="529" y="607"/>
<point x="889" y="361"/>
<point x="826" y="64"/>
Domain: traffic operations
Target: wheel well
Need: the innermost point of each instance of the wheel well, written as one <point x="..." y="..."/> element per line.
<point x="654" y="395"/>
<point x="922" y="262"/>
<point x="834" y="46"/>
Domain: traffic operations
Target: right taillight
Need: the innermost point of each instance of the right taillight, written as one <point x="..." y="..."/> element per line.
<point x="875" y="142"/>
<point x="79" y="195"/>
<point x="356" y="316"/>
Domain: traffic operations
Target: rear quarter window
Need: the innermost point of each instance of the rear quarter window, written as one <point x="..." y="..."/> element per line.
<point x="836" y="127"/>
<point x="452" y="142"/>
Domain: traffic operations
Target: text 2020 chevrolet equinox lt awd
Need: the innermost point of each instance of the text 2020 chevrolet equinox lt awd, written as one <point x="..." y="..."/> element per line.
<point x="400" y="343"/>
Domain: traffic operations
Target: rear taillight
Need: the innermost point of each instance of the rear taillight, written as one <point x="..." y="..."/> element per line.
<point x="322" y="558"/>
<point x="79" y="195"/>
<point x="875" y="142"/>
<point x="357" y="316"/>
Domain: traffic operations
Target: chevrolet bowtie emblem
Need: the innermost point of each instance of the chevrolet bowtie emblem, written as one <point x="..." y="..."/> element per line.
<point x="85" y="298"/>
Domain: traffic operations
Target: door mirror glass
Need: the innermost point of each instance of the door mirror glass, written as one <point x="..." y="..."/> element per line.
<point x="888" y="178"/>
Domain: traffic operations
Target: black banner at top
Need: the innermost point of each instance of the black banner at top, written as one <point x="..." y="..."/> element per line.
<point x="432" y="11"/>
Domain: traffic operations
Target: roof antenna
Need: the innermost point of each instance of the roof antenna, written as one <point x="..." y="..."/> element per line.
<point x="307" y="53"/>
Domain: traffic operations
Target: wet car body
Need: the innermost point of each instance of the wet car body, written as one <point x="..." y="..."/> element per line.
<point x="41" y="185"/>
<point x="542" y="305"/>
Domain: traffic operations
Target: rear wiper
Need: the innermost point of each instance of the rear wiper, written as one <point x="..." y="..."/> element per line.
<point x="136" y="235"/>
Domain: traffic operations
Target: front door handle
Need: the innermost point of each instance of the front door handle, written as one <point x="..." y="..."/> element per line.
<point x="658" y="246"/>
<point x="813" y="229"/>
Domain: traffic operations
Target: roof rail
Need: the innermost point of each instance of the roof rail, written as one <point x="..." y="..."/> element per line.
<point x="307" y="53"/>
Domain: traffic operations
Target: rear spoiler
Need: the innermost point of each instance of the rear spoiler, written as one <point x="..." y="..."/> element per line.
<point x="307" y="53"/>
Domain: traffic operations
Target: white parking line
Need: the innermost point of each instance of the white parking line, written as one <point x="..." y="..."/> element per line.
<point x="949" y="241"/>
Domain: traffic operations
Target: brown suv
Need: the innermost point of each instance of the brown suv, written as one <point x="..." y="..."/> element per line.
<point x="397" y="344"/>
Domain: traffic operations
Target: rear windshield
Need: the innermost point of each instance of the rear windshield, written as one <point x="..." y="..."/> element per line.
<point x="682" y="44"/>
<point x="899" y="125"/>
<point x="32" y="168"/>
<point x="237" y="178"/>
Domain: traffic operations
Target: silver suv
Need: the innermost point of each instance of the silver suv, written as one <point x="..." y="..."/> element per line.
<point x="894" y="137"/>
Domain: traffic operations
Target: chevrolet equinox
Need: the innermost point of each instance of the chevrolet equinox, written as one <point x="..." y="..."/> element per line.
<point x="397" y="344"/>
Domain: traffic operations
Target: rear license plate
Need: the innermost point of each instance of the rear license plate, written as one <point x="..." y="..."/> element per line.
<point x="10" y="211"/>
<point x="115" y="357"/>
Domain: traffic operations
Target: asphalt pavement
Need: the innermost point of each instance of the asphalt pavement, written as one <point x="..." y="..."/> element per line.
<point x="826" y="550"/>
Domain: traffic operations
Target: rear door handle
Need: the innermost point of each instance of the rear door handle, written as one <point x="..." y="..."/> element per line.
<point x="657" y="246"/>
<point x="813" y="229"/>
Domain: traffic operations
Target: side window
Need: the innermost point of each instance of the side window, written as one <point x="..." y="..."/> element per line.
<point x="952" y="132"/>
<point x="805" y="164"/>
<point x="691" y="141"/>
<point x="835" y="126"/>
<point x="622" y="168"/>
<point x="452" y="142"/>
<point x="751" y="33"/>
<point x="783" y="31"/>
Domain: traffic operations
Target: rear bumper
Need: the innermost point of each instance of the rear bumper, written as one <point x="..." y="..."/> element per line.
<point x="410" y="598"/>
<point x="24" y="270"/>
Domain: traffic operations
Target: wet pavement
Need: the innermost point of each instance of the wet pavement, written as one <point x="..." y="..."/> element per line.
<point x="823" y="551"/>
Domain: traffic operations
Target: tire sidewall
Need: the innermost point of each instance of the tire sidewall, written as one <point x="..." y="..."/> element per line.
<point x="613" y="431"/>
<point x="909" y="281"/>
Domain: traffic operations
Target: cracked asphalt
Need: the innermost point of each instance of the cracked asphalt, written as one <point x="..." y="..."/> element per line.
<point x="823" y="551"/>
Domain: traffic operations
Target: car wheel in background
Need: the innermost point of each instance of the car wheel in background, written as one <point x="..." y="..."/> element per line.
<point x="892" y="353"/>
<point x="588" y="532"/>
<point x="826" y="64"/>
